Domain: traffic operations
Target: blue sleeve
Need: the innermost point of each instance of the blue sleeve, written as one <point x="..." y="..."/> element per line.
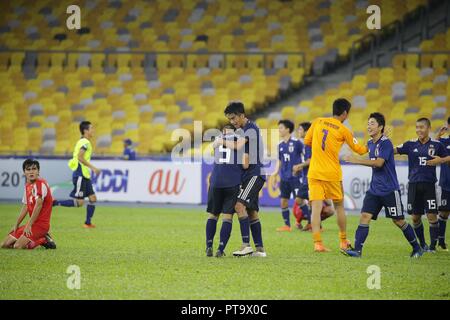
<point x="386" y="149"/>
<point x="404" y="148"/>
<point x="300" y="148"/>
<point x="441" y="151"/>
<point x="308" y="152"/>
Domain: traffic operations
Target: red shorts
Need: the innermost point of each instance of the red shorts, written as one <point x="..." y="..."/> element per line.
<point x="37" y="232"/>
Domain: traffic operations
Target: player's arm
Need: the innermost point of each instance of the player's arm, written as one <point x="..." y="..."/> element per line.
<point x="22" y="214"/>
<point x="86" y="163"/>
<point x="377" y="163"/>
<point x="300" y="166"/>
<point x="276" y="171"/>
<point x="34" y="215"/>
<point x="441" y="132"/>
<point x="438" y="160"/>
<point x="309" y="134"/>
<point x="245" y="161"/>
<point x="402" y="149"/>
<point x="353" y="143"/>
<point x="234" y="145"/>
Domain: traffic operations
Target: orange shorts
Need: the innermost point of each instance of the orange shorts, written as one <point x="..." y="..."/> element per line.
<point x="322" y="190"/>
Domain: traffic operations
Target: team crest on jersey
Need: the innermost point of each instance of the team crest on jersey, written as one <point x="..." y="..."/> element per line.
<point x="431" y="150"/>
<point x="377" y="150"/>
<point x="291" y="148"/>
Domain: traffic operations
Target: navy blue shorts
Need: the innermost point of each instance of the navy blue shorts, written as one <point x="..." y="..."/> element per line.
<point x="303" y="191"/>
<point x="289" y="187"/>
<point x="422" y="198"/>
<point x="82" y="188"/>
<point x="222" y="200"/>
<point x="444" y="200"/>
<point x="391" y="202"/>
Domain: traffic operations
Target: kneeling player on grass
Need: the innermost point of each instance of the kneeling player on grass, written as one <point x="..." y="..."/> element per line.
<point x="222" y="194"/>
<point x="37" y="202"/>
<point x="384" y="189"/>
<point x="422" y="180"/>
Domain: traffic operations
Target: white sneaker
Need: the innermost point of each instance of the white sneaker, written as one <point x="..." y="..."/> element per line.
<point x="260" y="254"/>
<point x="244" y="251"/>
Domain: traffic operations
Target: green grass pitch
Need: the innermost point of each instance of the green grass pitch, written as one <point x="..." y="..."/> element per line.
<point x="143" y="253"/>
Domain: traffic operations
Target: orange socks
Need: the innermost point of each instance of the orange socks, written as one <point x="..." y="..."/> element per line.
<point x="317" y="237"/>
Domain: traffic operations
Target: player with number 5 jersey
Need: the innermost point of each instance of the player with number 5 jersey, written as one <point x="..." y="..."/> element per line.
<point x="326" y="137"/>
<point x="422" y="181"/>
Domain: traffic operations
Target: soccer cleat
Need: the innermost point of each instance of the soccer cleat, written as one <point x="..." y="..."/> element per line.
<point x="416" y="254"/>
<point x="50" y="244"/>
<point x="298" y="225"/>
<point x="308" y="227"/>
<point x="244" y="251"/>
<point x="425" y="247"/>
<point x="89" y="226"/>
<point x="351" y="253"/>
<point x="319" y="247"/>
<point x="220" y="254"/>
<point x="284" y="228"/>
<point x="344" y="245"/>
<point x="260" y="254"/>
<point x="442" y="247"/>
<point x="209" y="252"/>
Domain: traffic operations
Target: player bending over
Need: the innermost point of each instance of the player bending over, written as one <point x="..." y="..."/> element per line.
<point x="81" y="177"/>
<point x="444" y="183"/>
<point x="290" y="154"/>
<point x="422" y="180"/>
<point x="247" y="205"/>
<point x="326" y="137"/>
<point x="37" y="202"/>
<point x="384" y="190"/>
<point x="303" y="212"/>
<point x="223" y="191"/>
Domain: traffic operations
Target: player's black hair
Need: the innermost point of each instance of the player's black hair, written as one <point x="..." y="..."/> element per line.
<point x="340" y="106"/>
<point x="305" y="126"/>
<point x="84" y="125"/>
<point x="426" y="120"/>
<point x="235" y="107"/>
<point x="29" y="163"/>
<point x="379" y="118"/>
<point x="287" y="124"/>
<point x="228" y="127"/>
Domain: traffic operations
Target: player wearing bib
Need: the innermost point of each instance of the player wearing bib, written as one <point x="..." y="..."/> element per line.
<point x="81" y="165"/>
<point x="326" y="137"/>
<point x="422" y="181"/>
<point x="37" y="203"/>
<point x="224" y="188"/>
<point x="384" y="191"/>
<point x="290" y="154"/>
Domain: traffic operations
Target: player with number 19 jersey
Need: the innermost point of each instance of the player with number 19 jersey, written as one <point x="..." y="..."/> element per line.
<point x="326" y="137"/>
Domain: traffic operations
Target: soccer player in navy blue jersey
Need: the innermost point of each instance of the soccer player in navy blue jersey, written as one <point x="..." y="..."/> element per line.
<point x="223" y="191"/>
<point x="253" y="178"/>
<point x="444" y="184"/>
<point x="422" y="181"/>
<point x="290" y="154"/>
<point x="303" y="192"/>
<point x="384" y="189"/>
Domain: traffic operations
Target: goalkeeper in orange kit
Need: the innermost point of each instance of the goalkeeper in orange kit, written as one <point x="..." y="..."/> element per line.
<point x="326" y="137"/>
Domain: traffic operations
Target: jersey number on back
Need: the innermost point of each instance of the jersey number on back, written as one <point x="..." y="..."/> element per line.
<point x="325" y="135"/>
<point x="226" y="154"/>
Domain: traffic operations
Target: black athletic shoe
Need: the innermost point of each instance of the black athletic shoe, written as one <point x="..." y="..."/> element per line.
<point x="209" y="252"/>
<point x="220" y="254"/>
<point x="50" y="244"/>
